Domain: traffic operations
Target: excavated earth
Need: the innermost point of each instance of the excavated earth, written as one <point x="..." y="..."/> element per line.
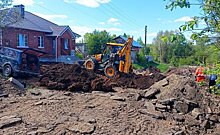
<point x="75" y="78"/>
<point x="171" y="105"/>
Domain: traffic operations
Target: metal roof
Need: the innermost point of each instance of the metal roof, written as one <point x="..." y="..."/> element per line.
<point x="134" y="44"/>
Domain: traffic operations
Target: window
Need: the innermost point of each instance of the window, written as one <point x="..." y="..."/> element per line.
<point x="22" y="40"/>
<point x="40" y="42"/>
<point x="66" y="43"/>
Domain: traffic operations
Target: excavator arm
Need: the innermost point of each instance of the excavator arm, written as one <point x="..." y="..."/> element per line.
<point x="125" y="65"/>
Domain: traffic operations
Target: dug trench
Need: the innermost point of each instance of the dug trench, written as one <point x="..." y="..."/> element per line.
<point x="75" y="78"/>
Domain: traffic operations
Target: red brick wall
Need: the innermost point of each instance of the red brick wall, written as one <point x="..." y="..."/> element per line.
<point x="71" y="46"/>
<point x="10" y="39"/>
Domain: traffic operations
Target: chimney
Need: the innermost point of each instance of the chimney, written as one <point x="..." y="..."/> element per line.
<point x="20" y="10"/>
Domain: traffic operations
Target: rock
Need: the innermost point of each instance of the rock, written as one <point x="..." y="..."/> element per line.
<point x="8" y="121"/>
<point x="160" y="106"/>
<point x="179" y="133"/>
<point x="181" y="107"/>
<point x="118" y="98"/>
<point x="16" y="82"/>
<point x="164" y="82"/>
<point x="149" y="106"/>
<point x="196" y="112"/>
<point x="153" y="114"/>
<point x="168" y="101"/>
<point x="151" y="93"/>
<point x="191" y="103"/>
<point x="137" y="96"/>
<point x="82" y="128"/>
<point x="61" y="119"/>
<point x="205" y="125"/>
<point x="179" y="118"/>
<point x="35" y="92"/>
<point x="32" y="133"/>
<point x="209" y="109"/>
<point x="3" y="95"/>
<point x="67" y="93"/>
<point x="214" y="118"/>
<point x="88" y="119"/>
<point x="38" y="103"/>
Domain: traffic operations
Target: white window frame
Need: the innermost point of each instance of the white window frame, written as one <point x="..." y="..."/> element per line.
<point x="40" y="40"/>
<point x="22" y="41"/>
<point x="66" y="43"/>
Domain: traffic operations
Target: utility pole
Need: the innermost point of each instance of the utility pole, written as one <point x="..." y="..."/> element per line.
<point x="145" y="35"/>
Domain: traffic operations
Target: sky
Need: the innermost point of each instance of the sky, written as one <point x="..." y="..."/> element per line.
<point x="115" y="16"/>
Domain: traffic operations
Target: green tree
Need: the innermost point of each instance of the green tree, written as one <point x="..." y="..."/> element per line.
<point x="167" y="50"/>
<point x="210" y="15"/>
<point x="96" y="40"/>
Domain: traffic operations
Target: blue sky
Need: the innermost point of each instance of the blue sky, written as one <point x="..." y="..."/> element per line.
<point x="115" y="16"/>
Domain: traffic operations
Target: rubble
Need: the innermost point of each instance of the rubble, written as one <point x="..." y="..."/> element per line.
<point x="175" y="105"/>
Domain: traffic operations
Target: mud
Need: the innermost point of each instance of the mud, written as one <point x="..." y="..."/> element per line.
<point x="75" y="78"/>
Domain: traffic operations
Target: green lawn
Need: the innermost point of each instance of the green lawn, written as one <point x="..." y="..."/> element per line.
<point x="163" y="67"/>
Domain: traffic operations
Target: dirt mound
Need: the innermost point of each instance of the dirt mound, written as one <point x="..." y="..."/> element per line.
<point x="75" y="78"/>
<point x="71" y="77"/>
<point x="180" y="95"/>
<point x="137" y="81"/>
<point x="184" y="71"/>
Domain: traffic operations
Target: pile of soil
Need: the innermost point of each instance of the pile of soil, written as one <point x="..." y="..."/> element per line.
<point x="75" y="78"/>
<point x="184" y="71"/>
<point x="137" y="81"/>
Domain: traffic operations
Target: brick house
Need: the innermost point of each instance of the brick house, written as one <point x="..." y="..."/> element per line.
<point x="32" y="31"/>
<point x="135" y="46"/>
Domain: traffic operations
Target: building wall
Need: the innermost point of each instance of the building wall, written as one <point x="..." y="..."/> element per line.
<point x="10" y="40"/>
<point x="71" y="45"/>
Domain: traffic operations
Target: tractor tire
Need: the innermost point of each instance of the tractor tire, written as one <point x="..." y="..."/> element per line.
<point x="89" y="64"/>
<point x="7" y="70"/>
<point x="110" y="71"/>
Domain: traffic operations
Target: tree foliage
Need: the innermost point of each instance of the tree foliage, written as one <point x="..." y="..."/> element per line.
<point x="210" y="16"/>
<point x="96" y="41"/>
<point x="176" y="52"/>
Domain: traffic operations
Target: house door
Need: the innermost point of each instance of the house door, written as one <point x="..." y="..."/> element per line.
<point x="54" y="47"/>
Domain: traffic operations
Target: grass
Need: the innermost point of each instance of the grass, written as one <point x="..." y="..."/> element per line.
<point x="161" y="66"/>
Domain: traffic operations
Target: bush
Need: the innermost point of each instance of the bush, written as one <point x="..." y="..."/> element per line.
<point x="79" y="55"/>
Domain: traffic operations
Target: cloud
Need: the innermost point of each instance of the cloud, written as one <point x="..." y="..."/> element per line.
<point x="51" y="16"/>
<point x="113" y="21"/>
<point x="102" y="23"/>
<point x="88" y="3"/>
<point x="183" y="19"/>
<point x="24" y="2"/>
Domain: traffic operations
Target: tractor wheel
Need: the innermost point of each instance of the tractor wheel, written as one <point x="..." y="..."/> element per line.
<point x="7" y="71"/>
<point x="110" y="71"/>
<point x="89" y="64"/>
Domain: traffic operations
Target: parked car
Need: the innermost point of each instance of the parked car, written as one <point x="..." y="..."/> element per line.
<point x="15" y="61"/>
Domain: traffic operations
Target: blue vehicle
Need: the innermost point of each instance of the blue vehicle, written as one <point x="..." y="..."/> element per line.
<point x="14" y="61"/>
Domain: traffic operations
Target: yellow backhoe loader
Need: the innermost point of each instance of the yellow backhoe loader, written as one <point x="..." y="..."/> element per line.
<point x="116" y="59"/>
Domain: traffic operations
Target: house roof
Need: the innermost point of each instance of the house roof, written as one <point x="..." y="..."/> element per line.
<point x="134" y="44"/>
<point x="34" y="22"/>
